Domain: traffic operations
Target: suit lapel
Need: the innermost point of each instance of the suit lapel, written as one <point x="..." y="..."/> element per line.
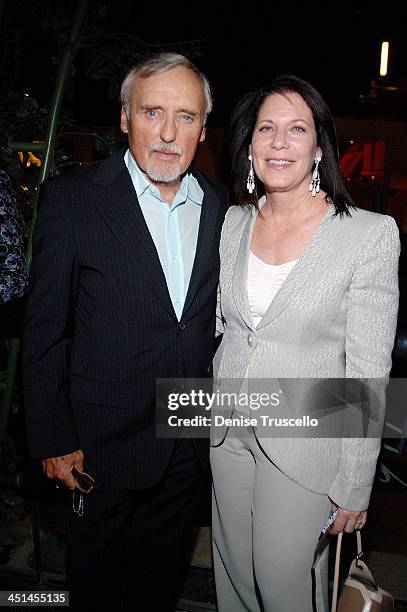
<point x="119" y="206"/>
<point x="239" y="282"/>
<point x="301" y="272"/>
<point x="207" y="225"/>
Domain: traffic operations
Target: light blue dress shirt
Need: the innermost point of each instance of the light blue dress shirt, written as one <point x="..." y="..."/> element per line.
<point x="174" y="229"/>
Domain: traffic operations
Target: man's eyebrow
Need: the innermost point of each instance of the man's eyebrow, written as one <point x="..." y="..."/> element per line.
<point x="186" y="111"/>
<point x="189" y="112"/>
<point x="149" y="107"/>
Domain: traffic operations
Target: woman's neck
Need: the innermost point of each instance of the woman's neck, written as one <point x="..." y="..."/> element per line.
<point x="285" y="205"/>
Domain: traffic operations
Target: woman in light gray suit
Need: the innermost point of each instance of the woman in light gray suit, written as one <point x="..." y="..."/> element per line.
<point x="308" y="289"/>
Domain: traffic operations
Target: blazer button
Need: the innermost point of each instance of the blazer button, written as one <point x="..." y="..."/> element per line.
<point x="182" y="326"/>
<point x="252" y="340"/>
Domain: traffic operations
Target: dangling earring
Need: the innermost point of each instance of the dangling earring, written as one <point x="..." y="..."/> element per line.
<point x="316" y="180"/>
<point x="250" y="178"/>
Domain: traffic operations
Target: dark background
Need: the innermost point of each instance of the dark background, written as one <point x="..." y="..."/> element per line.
<point x="334" y="45"/>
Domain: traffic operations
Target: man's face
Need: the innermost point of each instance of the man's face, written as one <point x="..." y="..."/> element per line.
<point x="165" y="123"/>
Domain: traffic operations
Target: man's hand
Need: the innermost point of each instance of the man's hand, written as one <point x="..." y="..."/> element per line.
<point x="60" y="467"/>
<point x="347" y="520"/>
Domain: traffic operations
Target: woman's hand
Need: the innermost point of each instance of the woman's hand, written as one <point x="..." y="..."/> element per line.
<point x="347" y="520"/>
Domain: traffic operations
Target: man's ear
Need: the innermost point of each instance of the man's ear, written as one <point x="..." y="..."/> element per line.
<point x="203" y="134"/>
<point x="123" y="121"/>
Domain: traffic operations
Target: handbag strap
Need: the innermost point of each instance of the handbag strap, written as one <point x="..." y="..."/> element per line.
<point x="338" y="562"/>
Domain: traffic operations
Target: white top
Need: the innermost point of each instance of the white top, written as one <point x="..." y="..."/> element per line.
<point x="263" y="283"/>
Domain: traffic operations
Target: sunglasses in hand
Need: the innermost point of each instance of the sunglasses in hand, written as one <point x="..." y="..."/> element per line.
<point x="84" y="482"/>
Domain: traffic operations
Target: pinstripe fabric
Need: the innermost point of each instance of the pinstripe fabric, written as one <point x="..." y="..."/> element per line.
<point x="100" y="326"/>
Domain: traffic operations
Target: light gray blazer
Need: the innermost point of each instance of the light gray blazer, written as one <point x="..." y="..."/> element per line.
<point x="335" y="316"/>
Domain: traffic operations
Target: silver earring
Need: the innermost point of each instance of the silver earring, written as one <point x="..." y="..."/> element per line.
<point x="250" y="178"/>
<point x="316" y="180"/>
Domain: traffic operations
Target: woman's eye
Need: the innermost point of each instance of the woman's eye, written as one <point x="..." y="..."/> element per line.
<point x="265" y="128"/>
<point x="298" y="128"/>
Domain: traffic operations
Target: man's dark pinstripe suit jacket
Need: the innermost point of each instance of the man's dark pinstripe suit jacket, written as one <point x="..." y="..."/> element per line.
<point x="100" y="326"/>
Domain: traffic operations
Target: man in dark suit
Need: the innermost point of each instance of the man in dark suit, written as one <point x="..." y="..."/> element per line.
<point x="123" y="291"/>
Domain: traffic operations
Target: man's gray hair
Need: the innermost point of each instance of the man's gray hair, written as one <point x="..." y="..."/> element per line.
<point x="161" y="63"/>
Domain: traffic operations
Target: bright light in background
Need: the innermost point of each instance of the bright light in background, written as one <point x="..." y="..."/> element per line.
<point x="384" y="58"/>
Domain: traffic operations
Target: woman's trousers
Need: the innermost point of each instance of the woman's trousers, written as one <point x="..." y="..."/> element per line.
<point x="265" y="528"/>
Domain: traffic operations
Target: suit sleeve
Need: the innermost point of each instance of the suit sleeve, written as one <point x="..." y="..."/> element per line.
<point x="371" y="328"/>
<point x="48" y="329"/>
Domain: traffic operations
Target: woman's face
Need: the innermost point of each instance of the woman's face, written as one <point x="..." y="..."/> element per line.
<point x="284" y="143"/>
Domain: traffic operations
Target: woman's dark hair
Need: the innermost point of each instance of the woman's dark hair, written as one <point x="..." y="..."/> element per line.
<point x="242" y="125"/>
